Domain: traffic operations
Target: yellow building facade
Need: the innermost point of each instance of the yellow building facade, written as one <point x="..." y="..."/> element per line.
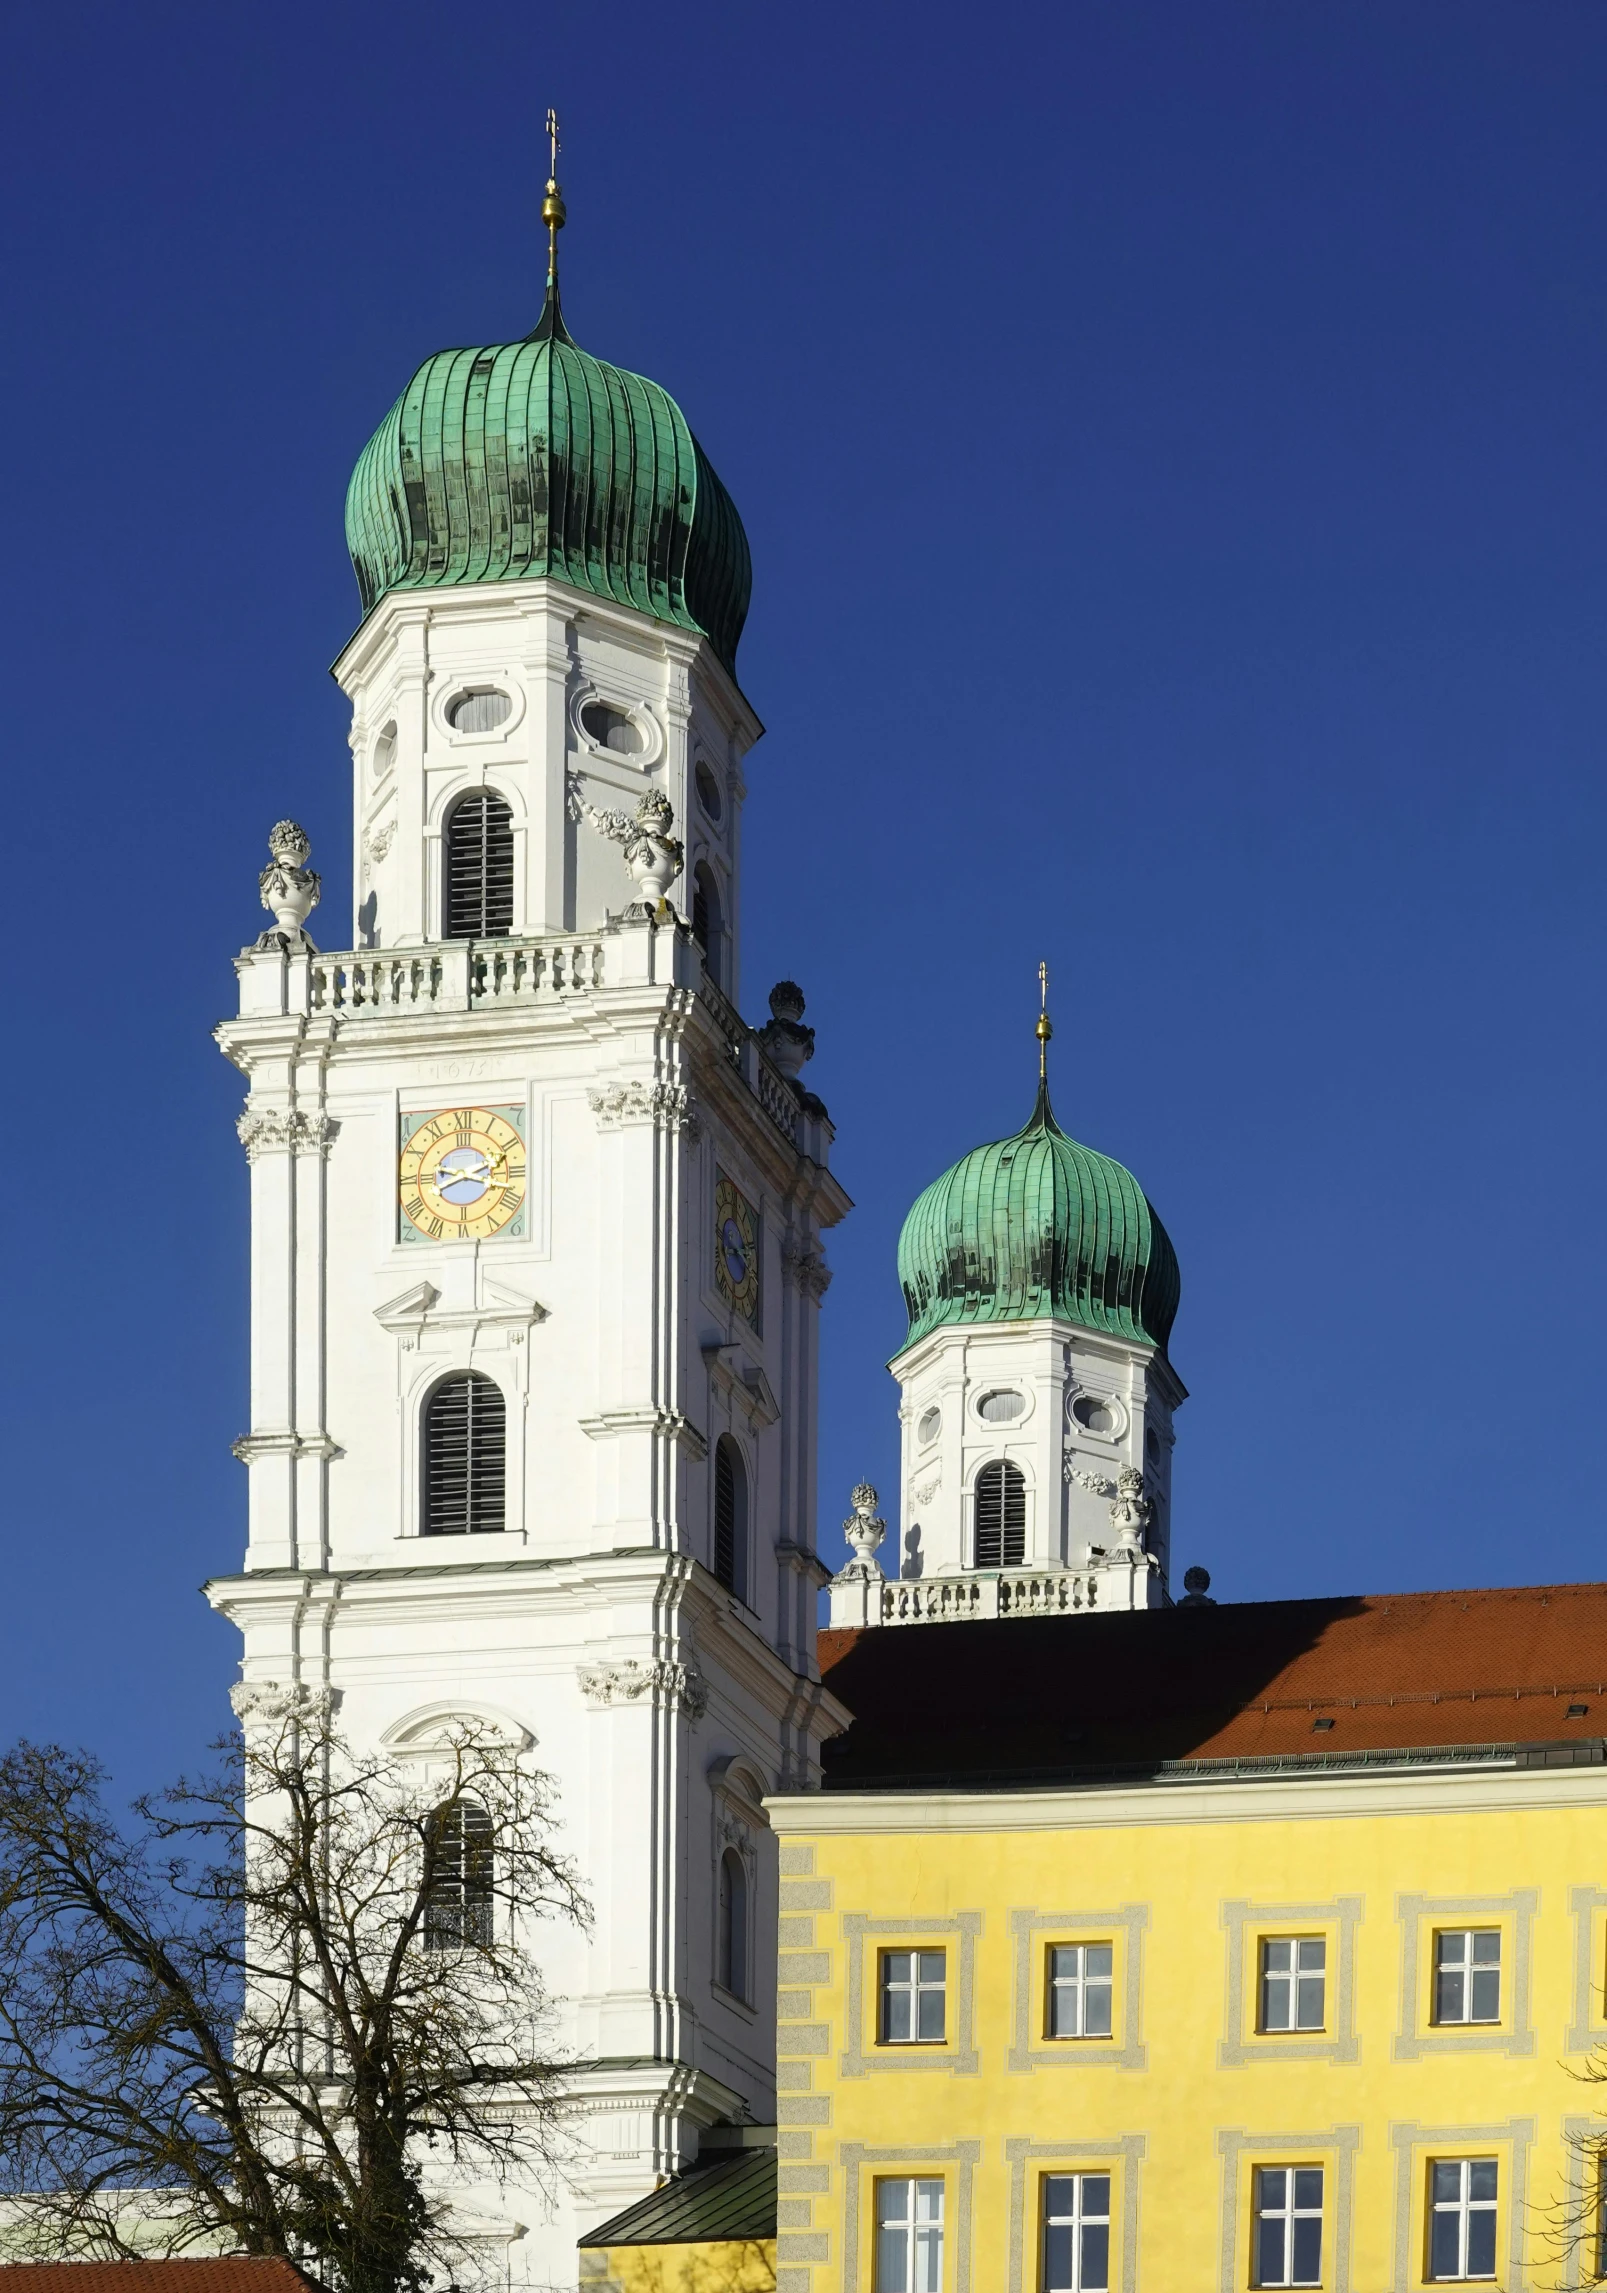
<point x="1114" y="2014"/>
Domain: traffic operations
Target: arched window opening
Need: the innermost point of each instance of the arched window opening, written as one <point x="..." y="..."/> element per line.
<point x="479" y="868"/>
<point x="732" y="1966"/>
<point x="1001" y="1516"/>
<point x="707" y="927"/>
<point x="465" y="1458"/>
<point x="730" y="1517"/>
<point x="459" y="1906"/>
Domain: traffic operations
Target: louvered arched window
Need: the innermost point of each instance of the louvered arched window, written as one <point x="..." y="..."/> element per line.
<point x="461" y="1900"/>
<point x="730" y="1517"/>
<point x="1001" y="1516"/>
<point x="732" y="1956"/>
<point x="465" y="1457"/>
<point x="479" y="868"/>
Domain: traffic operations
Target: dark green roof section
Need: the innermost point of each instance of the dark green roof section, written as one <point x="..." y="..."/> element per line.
<point x="529" y="460"/>
<point x="1036" y="1225"/>
<point x="719" y="2201"/>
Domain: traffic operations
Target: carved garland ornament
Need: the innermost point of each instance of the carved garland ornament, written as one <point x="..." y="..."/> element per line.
<point x="265" y="1130"/>
<point x="265" y="1703"/>
<point x="629" y="1682"/>
<point x="667" y="1104"/>
<point x="807" y="1268"/>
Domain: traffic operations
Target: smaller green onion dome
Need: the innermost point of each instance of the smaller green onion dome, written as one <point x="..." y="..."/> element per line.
<point x="1038" y="1225"/>
<point x="530" y="459"/>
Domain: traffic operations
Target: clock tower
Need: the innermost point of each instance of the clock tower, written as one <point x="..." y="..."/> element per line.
<point x="536" y="1222"/>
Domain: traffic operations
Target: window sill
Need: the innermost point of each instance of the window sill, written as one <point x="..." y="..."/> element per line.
<point x="742" y="2006"/>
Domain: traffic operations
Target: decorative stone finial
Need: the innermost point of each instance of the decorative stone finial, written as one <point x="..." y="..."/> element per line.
<point x="1131" y="1511"/>
<point x="653" y="856"/>
<point x="1196" y="1589"/>
<point x="787" y="1042"/>
<point x="288" y="886"/>
<point x="864" y="1529"/>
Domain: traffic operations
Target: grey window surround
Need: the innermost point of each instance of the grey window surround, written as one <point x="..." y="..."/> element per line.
<point x="1031" y="1931"/>
<point x="1241" y="2041"/>
<point x="1069" y="2157"/>
<point x="1572" y="2259"/>
<point x="1417" y="1914"/>
<point x="957" y="2057"/>
<point x="1335" y="2144"/>
<point x="855" y="2158"/>
<point x="1589" y="2027"/>
<point x="1413" y="2146"/>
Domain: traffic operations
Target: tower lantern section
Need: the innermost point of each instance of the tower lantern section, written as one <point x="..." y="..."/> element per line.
<point x="1036" y="1394"/>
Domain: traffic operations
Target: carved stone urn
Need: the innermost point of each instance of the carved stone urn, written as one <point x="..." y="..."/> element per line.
<point x="864" y="1530"/>
<point x="288" y="886"/>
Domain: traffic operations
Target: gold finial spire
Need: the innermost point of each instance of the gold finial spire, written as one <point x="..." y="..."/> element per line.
<point x="553" y="212"/>
<point x="1044" y="1028"/>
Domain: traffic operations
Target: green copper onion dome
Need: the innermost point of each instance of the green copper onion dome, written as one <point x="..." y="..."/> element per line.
<point x="531" y="459"/>
<point x="1038" y="1225"/>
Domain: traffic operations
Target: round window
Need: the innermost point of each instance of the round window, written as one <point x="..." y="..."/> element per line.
<point x="930" y="1427"/>
<point x="998" y="1408"/>
<point x="610" y="728"/>
<point x="478" y="712"/>
<point x="384" y="752"/>
<point x="708" y="791"/>
<point x="1092" y="1414"/>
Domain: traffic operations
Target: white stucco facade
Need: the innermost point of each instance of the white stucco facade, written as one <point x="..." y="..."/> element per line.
<point x="664" y="1705"/>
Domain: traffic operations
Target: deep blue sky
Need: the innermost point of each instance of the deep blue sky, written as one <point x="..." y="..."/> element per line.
<point x="1172" y="443"/>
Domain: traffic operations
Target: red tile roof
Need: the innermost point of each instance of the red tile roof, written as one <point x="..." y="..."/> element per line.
<point x="215" y="2273"/>
<point x="1061" y="1696"/>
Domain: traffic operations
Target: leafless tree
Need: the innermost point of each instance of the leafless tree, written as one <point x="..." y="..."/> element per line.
<point x="284" y="2009"/>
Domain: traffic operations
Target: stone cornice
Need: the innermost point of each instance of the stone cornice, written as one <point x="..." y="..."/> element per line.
<point x="1498" y="1787"/>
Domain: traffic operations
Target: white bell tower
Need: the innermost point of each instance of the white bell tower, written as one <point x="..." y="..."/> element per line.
<point x="516" y="1162"/>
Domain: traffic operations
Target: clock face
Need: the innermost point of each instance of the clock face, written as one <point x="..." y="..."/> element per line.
<point x="461" y="1174"/>
<point x="736" y="1249"/>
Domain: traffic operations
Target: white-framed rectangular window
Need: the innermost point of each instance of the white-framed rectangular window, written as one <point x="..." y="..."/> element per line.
<point x="1080" y="1980"/>
<point x="914" y="1998"/>
<point x="1461" y="2234"/>
<point x="909" y="2236"/>
<point x="1467" y="1974"/>
<point x="1076" y="2233"/>
<point x="1294" y="1982"/>
<point x="1288" y="2225"/>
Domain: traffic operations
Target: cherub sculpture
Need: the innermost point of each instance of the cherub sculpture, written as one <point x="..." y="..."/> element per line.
<point x="653" y="856"/>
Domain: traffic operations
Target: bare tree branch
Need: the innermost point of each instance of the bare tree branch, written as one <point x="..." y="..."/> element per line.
<point x="256" y="2013"/>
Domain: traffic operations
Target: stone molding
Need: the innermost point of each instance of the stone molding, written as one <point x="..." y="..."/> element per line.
<point x="856" y="2156"/>
<point x="668" y="1105"/>
<point x="681" y="1686"/>
<point x="1337" y="2142"/>
<point x="1241" y="2041"/>
<point x="264" y="1703"/>
<point x="1589" y="2028"/>
<point x="805" y="1269"/>
<point x="269" y="1130"/>
<point x="1127" y="2150"/>
<point x="1512" y="2035"/>
<point x="1125" y="2053"/>
<point x="1514" y="2135"/>
<point x="958" y="2058"/>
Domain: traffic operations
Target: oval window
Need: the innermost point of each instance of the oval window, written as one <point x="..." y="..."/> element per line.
<point x="610" y="728"/>
<point x="1094" y="1415"/>
<point x="998" y="1408"/>
<point x="479" y="712"/>
<point x="708" y="791"/>
<point x="930" y="1427"/>
<point x="1152" y="1443"/>
<point x="384" y="752"/>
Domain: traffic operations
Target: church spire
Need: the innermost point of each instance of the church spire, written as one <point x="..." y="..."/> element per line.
<point x="550" y="326"/>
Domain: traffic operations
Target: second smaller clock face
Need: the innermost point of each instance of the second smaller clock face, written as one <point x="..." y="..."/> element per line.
<point x="461" y="1175"/>
<point x="736" y="1248"/>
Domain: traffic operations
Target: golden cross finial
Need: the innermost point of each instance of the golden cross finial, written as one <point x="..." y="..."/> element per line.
<point x="1044" y="1027"/>
<point x="553" y="212"/>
